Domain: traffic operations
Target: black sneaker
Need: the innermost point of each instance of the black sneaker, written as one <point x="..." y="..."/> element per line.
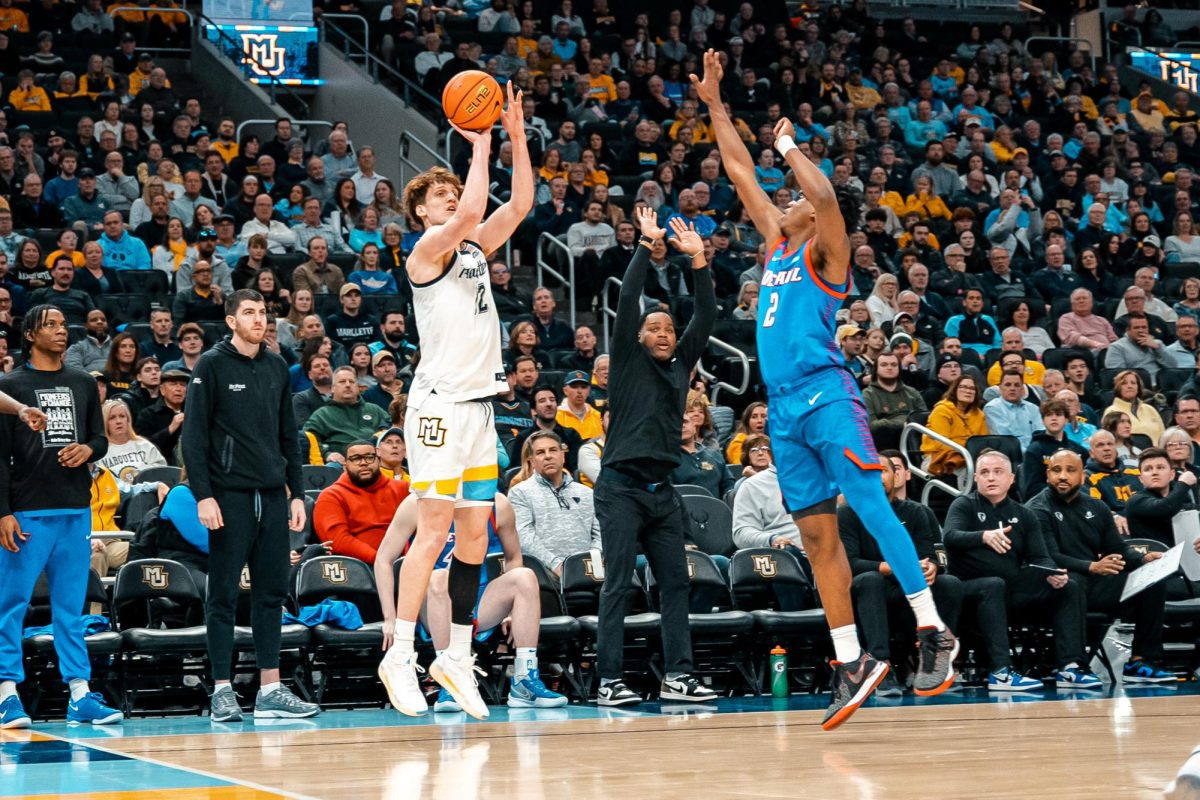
<point x="935" y="666"/>
<point x="686" y="688"/>
<point x="617" y="694"/>
<point x="852" y="685"/>
<point x="889" y="686"/>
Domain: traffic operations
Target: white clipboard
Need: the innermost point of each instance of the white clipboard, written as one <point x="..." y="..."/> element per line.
<point x="1187" y="530"/>
<point x="1156" y="571"/>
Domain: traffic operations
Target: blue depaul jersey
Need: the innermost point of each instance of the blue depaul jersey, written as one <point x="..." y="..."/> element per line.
<point x="493" y="546"/>
<point x="797" y="323"/>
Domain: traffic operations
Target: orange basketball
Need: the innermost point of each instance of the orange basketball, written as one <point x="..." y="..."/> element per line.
<point x="472" y="100"/>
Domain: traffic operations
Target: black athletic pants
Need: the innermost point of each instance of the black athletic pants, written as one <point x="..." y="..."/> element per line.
<point x="628" y="515"/>
<point x="255" y="534"/>
<point x="879" y="600"/>
<point x="1031" y="593"/>
<point x="987" y="597"/>
<point x="1145" y="610"/>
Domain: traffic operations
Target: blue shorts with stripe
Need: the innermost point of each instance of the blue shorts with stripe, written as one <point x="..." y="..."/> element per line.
<point x="821" y="442"/>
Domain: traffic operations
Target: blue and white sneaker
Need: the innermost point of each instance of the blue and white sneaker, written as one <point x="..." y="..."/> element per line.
<point x="1075" y="677"/>
<point x="1143" y="671"/>
<point x="91" y="708"/>
<point x="446" y="704"/>
<point x="530" y="692"/>
<point x="1009" y="680"/>
<point x="12" y="714"/>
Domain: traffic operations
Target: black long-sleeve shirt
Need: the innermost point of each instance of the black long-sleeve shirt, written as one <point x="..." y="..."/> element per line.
<point x="862" y="549"/>
<point x="646" y="396"/>
<point x="31" y="479"/>
<point x="1079" y="532"/>
<point x="1150" y="514"/>
<point x="972" y="514"/>
<point x="239" y="432"/>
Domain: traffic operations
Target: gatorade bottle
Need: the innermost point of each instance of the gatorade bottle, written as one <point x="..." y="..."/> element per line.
<point x="779" y="667"/>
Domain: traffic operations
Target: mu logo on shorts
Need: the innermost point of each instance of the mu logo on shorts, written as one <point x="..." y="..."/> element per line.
<point x="431" y="433"/>
<point x="764" y="566"/>
<point x="333" y="572"/>
<point x="155" y="576"/>
<point x="691" y="570"/>
<point x="244" y="581"/>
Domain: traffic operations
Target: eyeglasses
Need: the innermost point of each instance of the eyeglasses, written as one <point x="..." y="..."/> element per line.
<point x="760" y="449"/>
<point x="367" y="458"/>
<point x="1179" y="444"/>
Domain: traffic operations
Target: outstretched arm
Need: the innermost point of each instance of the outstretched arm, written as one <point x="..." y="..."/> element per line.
<point x="695" y="337"/>
<point x="502" y="224"/>
<point x="734" y="155"/>
<point x="425" y="263"/>
<point x="830" y="240"/>
<point x="629" y="304"/>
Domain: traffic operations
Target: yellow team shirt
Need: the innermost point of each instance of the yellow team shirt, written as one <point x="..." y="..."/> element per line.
<point x="526" y="46"/>
<point x="32" y="99"/>
<point x="76" y="258"/>
<point x="1034" y="372"/>
<point x="228" y="150"/>
<point x="106" y="498"/>
<point x="601" y="88"/>
<point x="14" y="18"/>
<point x="588" y="428"/>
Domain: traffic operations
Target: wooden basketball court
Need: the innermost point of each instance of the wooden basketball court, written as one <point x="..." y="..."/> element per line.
<point x="963" y="744"/>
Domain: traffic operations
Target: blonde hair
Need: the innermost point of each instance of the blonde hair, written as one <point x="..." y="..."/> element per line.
<point x="418" y="187"/>
<point x="106" y="411"/>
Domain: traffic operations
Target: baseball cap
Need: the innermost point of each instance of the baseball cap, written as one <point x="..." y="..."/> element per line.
<point x="972" y="121"/>
<point x="723" y="230"/>
<point x="219" y="218"/>
<point x="128" y="38"/>
<point x="205" y="234"/>
<point x="1152" y="240"/>
<point x="576" y="376"/>
<point x="848" y="330"/>
<point x="736" y="40"/>
<point x="902" y="315"/>
<point x="145" y="57"/>
<point x="392" y="432"/>
<point x="99" y="376"/>
<point x="900" y="338"/>
<point x="347" y="288"/>
<point x="948" y="358"/>
<point x="380" y="356"/>
<point x="86" y="172"/>
<point x="1057" y="153"/>
<point x="1019" y="151"/>
<point x="175" y="375"/>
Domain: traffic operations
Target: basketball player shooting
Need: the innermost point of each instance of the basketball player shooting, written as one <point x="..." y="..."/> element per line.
<point x="812" y="396"/>
<point x="449" y="427"/>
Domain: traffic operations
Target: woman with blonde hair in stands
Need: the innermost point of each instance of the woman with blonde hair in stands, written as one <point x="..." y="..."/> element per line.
<point x="139" y="212"/>
<point x="753" y="420"/>
<point x="286" y="327"/>
<point x="128" y="454"/>
<point x="882" y="302"/>
<point x="1128" y="394"/>
<point x="697" y="407"/>
<point x="957" y="416"/>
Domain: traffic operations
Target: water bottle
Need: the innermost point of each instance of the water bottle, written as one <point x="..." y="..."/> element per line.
<point x="779" y="668"/>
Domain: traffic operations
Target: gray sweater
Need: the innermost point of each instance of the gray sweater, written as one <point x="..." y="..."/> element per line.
<point x="758" y="513"/>
<point x="548" y="531"/>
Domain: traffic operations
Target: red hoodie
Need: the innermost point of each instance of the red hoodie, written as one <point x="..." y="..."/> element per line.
<point x="355" y="518"/>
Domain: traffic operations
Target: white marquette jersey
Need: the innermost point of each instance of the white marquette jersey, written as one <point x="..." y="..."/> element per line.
<point x="460" y="332"/>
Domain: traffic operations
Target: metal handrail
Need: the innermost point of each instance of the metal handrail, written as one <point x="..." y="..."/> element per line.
<point x="1108" y="42"/>
<point x="1185" y="43"/>
<point x="932" y="481"/>
<point x="373" y="64"/>
<point x="542" y="265"/>
<point x="607" y="313"/>
<point x="298" y="123"/>
<point x="366" y="25"/>
<point x="117" y="536"/>
<point x="146" y="11"/>
<point x="1070" y="40"/>
<point x="497" y="127"/>
<point x="406" y="163"/>
<point x="247" y="60"/>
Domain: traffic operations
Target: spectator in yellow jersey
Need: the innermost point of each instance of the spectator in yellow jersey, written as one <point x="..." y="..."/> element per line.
<point x="574" y="412"/>
<point x="28" y="96"/>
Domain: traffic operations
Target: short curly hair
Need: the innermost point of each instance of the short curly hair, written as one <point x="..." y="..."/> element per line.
<point x="414" y="192"/>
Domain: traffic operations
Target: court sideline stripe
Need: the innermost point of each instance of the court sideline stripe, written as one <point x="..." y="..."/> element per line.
<point x="703" y="727"/>
<point x="194" y="770"/>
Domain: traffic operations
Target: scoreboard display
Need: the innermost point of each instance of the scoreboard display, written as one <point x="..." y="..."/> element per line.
<point x="1177" y="69"/>
<point x="283" y="53"/>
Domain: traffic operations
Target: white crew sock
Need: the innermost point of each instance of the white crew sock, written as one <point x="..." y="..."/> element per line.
<point x="460" y="641"/>
<point x="7" y="689"/>
<point x="845" y="643"/>
<point x="402" y="639"/>
<point x="79" y="688"/>
<point x="222" y="686"/>
<point x="525" y="662"/>
<point x="925" y="611"/>
<point x="267" y="688"/>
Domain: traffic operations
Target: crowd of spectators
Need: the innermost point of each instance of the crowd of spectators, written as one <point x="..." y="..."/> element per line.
<point x="1025" y="262"/>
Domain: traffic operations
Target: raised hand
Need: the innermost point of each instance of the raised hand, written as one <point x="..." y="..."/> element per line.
<point x="475" y="137"/>
<point x="647" y="221"/>
<point x="709" y="88"/>
<point x="513" y="116"/>
<point x="686" y="240"/>
<point x="785" y="128"/>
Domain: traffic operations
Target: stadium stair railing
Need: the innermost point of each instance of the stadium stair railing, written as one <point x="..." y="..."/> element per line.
<point x="932" y="481"/>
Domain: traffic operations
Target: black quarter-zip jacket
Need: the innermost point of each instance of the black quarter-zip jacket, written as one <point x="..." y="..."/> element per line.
<point x="239" y="432"/>
<point x="970" y="515"/>
<point x="1079" y="532"/>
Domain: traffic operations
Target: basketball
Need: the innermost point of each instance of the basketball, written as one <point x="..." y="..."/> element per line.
<point x="472" y="100"/>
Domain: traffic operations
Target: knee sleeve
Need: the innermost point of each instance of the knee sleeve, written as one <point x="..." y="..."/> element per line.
<point x="462" y="583"/>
